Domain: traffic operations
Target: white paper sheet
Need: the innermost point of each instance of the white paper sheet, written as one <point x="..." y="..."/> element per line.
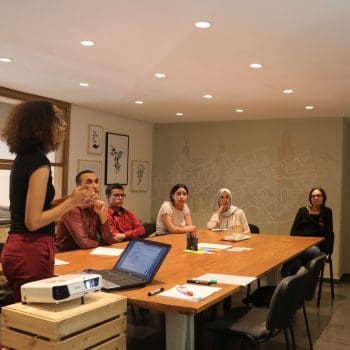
<point x="227" y="279"/>
<point x="59" y="262"/>
<point x="239" y="249"/>
<point x="107" y="251"/>
<point x="199" y="292"/>
<point x="204" y="246"/>
<point x="236" y="237"/>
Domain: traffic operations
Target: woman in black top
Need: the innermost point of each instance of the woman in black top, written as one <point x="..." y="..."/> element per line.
<point x="315" y="220"/>
<point x="33" y="129"/>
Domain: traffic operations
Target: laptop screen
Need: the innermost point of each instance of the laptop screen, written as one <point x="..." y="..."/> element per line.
<point x="143" y="258"/>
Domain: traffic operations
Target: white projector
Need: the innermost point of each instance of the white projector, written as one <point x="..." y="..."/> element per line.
<point x="60" y="288"/>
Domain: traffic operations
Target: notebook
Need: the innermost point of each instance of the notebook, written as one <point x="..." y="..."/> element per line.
<point x="136" y="267"/>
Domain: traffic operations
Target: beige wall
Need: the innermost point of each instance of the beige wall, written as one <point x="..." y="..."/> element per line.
<point x="345" y="223"/>
<point x="140" y="148"/>
<point x="269" y="165"/>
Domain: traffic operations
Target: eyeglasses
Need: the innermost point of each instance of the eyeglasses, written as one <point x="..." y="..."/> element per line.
<point x="316" y="195"/>
<point x="115" y="195"/>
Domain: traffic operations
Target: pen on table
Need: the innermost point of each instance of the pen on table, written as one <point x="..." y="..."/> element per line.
<point x="202" y="281"/>
<point x="184" y="290"/>
<point x="156" y="291"/>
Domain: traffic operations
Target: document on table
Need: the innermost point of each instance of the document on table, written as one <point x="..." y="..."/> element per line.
<point x="107" y="251"/>
<point x="199" y="292"/>
<point x="204" y="246"/>
<point x="239" y="249"/>
<point x="59" y="262"/>
<point x="227" y="279"/>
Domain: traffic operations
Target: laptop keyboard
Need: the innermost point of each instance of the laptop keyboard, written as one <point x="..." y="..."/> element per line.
<point x="118" y="277"/>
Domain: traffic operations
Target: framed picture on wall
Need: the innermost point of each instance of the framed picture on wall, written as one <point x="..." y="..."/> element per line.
<point x="139" y="175"/>
<point x="95" y="139"/>
<point x="93" y="165"/>
<point x="116" y="158"/>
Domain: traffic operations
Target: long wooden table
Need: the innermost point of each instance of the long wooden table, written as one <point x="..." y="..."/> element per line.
<point x="268" y="252"/>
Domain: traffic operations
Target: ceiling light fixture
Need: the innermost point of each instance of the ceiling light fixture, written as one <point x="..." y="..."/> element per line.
<point x="87" y="43"/>
<point x="179" y="114"/>
<point x="139" y="102"/>
<point x="202" y="25"/>
<point x="309" y="107"/>
<point x="84" y="84"/>
<point x="288" y="91"/>
<point x="255" y="65"/>
<point x="5" y="59"/>
<point x="160" y="75"/>
<point x="208" y="97"/>
<point x="239" y="110"/>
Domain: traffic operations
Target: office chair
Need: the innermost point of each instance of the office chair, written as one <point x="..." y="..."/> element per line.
<point x="259" y="324"/>
<point x="150" y="228"/>
<point x="253" y="229"/>
<point x="329" y="248"/>
<point x="314" y="268"/>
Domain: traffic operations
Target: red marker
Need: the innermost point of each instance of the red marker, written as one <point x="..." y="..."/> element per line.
<point x="182" y="289"/>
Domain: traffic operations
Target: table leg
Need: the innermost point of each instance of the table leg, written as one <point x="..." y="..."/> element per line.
<point x="179" y="330"/>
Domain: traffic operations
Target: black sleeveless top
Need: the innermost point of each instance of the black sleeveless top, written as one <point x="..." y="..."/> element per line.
<point x="23" y="167"/>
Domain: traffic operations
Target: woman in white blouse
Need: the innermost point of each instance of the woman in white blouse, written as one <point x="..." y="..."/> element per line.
<point x="174" y="215"/>
<point x="228" y="216"/>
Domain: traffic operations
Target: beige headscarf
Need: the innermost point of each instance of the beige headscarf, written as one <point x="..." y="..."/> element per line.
<point x="232" y="208"/>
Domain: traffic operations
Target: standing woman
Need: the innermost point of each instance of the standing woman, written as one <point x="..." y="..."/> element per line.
<point x="33" y="129"/>
<point x="174" y="215"/>
<point x="314" y="220"/>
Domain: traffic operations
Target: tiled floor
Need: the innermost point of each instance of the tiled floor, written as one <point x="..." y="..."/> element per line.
<point x="329" y="326"/>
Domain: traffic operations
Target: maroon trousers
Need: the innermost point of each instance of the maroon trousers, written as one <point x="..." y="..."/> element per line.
<point x="27" y="257"/>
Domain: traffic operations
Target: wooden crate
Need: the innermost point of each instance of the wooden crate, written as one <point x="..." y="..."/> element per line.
<point x="99" y="323"/>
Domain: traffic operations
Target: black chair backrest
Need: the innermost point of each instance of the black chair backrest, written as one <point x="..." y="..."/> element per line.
<point x="286" y="299"/>
<point x="314" y="267"/>
<point x="150" y="228"/>
<point x="253" y="228"/>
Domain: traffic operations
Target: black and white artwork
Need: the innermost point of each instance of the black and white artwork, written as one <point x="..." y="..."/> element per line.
<point x="116" y="158"/>
<point x="139" y="175"/>
<point x="95" y="139"/>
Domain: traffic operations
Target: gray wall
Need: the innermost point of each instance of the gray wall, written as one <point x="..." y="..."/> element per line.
<point x="269" y="165"/>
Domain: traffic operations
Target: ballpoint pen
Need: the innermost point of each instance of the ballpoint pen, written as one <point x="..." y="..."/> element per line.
<point x="156" y="291"/>
<point x="202" y="281"/>
<point x="182" y="289"/>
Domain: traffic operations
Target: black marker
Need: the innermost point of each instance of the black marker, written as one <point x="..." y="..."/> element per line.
<point x="202" y="282"/>
<point x="156" y="291"/>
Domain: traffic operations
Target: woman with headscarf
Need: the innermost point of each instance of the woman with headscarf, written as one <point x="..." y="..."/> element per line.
<point x="228" y="216"/>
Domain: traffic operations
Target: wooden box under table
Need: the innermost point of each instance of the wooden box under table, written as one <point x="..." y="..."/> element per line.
<point x="99" y="323"/>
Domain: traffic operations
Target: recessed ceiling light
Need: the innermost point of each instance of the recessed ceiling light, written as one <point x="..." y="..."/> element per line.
<point x="160" y="75"/>
<point x="84" y="84"/>
<point x="309" y="107"/>
<point x="139" y="102"/>
<point x="208" y="96"/>
<point x="87" y="43"/>
<point x="202" y="25"/>
<point x="239" y="110"/>
<point x="288" y="91"/>
<point x="5" y="59"/>
<point x="179" y="114"/>
<point x="255" y="65"/>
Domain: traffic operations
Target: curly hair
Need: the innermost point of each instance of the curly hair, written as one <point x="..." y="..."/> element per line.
<point x="29" y="126"/>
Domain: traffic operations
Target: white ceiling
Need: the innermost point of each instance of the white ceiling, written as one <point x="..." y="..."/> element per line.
<point x="302" y="44"/>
